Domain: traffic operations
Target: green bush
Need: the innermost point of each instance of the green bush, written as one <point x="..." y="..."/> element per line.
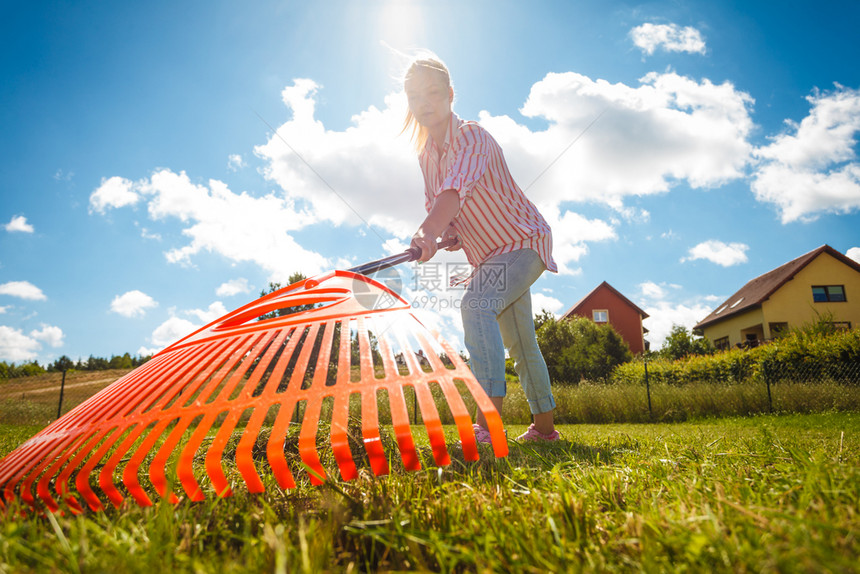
<point x="577" y="349"/>
<point x="800" y="356"/>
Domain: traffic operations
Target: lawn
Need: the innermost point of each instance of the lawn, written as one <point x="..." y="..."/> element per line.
<point x="763" y="493"/>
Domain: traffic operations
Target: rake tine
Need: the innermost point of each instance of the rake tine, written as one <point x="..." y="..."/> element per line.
<point x="340" y="408"/>
<point x="185" y="468"/>
<point x="275" y="446"/>
<point x="369" y="411"/>
<point x="158" y="466"/>
<point x="218" y="365"/>
<point x="245" y="452"/>
<point x="130" y="473"/>
<point x="433" y="424"/>
<point x="216" y="449"/>
<point x="27" y="485"/>
<point x="88" y="443"/>
<point x="397" y="406"/>
<point x="429" y="412"/>
<point x="106" y="481"/>
<point x="310" y="423"/>
<point x="42" y="487"/>
<point x="216" y="452"/>
<point x="82" y="478"/>
<point x="34" y="452"/>
<point x="308" y="440"/>
<point x="224" y="362"/>
<point x="245" y="448"/>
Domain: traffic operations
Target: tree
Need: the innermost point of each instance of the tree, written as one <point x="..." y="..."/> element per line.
<point x="541" y="318"/>
<point x="121" y="362"/>
<point x="577" y="348"/>
<point x="294" y="278"/>
<point x="62" y="364"/>
<point x="97" y="364"/>
<point x="682" y="343"/>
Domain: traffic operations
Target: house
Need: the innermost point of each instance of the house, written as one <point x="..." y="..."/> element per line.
<point x="606" y="305"/>
<point x="821" y="283"/>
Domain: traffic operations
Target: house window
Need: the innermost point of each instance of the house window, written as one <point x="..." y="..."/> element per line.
<point x="842" y="325"/>
<point x="828" y="293"/>
<point x="600" y="315"/>
<point x="722" y="343"/>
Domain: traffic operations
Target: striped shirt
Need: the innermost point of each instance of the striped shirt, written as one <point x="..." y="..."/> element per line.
<point x="495" y="216"/>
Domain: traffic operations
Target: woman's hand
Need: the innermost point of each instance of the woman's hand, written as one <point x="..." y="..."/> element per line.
<point x="426" y="245"/>
<point x="444" y="209"/>
<point x="451" y="233"/>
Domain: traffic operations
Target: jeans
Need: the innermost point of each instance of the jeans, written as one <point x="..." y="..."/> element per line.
<point x="497" y="314"/>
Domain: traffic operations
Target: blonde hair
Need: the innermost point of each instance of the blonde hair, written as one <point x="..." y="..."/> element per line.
<point x="419" y="133"/>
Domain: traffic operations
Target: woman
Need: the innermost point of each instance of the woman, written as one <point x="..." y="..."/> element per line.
<point x="470" y="196"/>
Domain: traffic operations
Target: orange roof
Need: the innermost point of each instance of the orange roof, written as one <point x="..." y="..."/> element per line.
<point x="757" y="291"/>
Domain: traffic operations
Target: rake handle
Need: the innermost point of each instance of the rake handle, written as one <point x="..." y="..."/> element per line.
<point x="410" y="254"/>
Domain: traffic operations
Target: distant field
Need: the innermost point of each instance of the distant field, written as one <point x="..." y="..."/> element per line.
<point x="34" y="400"/>
<point x="752" y="494"/>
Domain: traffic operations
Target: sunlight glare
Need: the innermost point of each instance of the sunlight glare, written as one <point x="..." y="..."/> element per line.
<point x="401" y="24"/>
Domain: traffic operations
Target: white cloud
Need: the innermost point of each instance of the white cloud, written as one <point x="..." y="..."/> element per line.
<point x="571" y="234"/>
<point x="812" y="168"/>
<point x="364" y="174"/>
<point x="176" y="327"/>
<point x="235" y="162"/>
<point x="854" y="253"/>
<point x="239" y="227"/>
<point x="719" y="253"/>
<point x="23" y="290"/>
<point x="664" y="314"/>
<point x="16" y="346"/>
<point x="651" y="290"/>
<point x="113" y="192"/>
<point x="666" y="130"/>
<point x="147" y="234"/>
<point x="648" y="138"/>
<point x="171" y="331"/>
<point x="3" y="309"/>
<point x="49" y="335"/>
<point x="660" y="301"/>
<point x="671" y="37"/>
<point x="541" y="301"/>
<point x="233" y="287"/>
<point x="19" y="224"/>
<point x="214" y="311"/>
<point x="132" y="304"/>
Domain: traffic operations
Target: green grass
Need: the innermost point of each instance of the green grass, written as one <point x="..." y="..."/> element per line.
<point x="756" y="494"/>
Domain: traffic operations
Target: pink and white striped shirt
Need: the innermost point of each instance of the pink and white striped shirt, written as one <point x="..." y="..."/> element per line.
<point x="495" y="215"/>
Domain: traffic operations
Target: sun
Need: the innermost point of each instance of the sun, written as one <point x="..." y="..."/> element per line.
<point x="401" y="24"/>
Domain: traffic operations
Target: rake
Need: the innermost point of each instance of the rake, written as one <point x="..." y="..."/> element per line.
<point x="341" y="338"/>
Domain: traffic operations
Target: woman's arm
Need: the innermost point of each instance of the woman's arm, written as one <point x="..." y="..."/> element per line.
<point x="444" y="209"/>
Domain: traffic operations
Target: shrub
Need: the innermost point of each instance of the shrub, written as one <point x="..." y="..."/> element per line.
<point x="803" y="355"/>
<point x="577" y="348"/>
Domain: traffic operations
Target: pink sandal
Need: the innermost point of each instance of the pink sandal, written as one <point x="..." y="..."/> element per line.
<point x="534" y="435"/>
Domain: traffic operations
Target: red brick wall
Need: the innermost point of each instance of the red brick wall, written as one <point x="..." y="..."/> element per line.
<point x="623" y="318"/>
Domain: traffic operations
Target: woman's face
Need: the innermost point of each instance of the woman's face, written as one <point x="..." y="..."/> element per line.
<point x="429" y="97"/>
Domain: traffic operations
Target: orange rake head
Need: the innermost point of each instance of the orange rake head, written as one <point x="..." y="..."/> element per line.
<point x="238" y="375"/>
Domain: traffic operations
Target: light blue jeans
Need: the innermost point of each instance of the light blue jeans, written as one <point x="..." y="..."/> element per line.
<point x="497" y="314"/>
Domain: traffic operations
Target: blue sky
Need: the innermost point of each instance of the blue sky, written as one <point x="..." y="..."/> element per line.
<point x="145" y="191"/>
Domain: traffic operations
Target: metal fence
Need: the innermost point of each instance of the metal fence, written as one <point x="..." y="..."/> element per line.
<point x="42" y="399"/>
<point x="806" y="386"/>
